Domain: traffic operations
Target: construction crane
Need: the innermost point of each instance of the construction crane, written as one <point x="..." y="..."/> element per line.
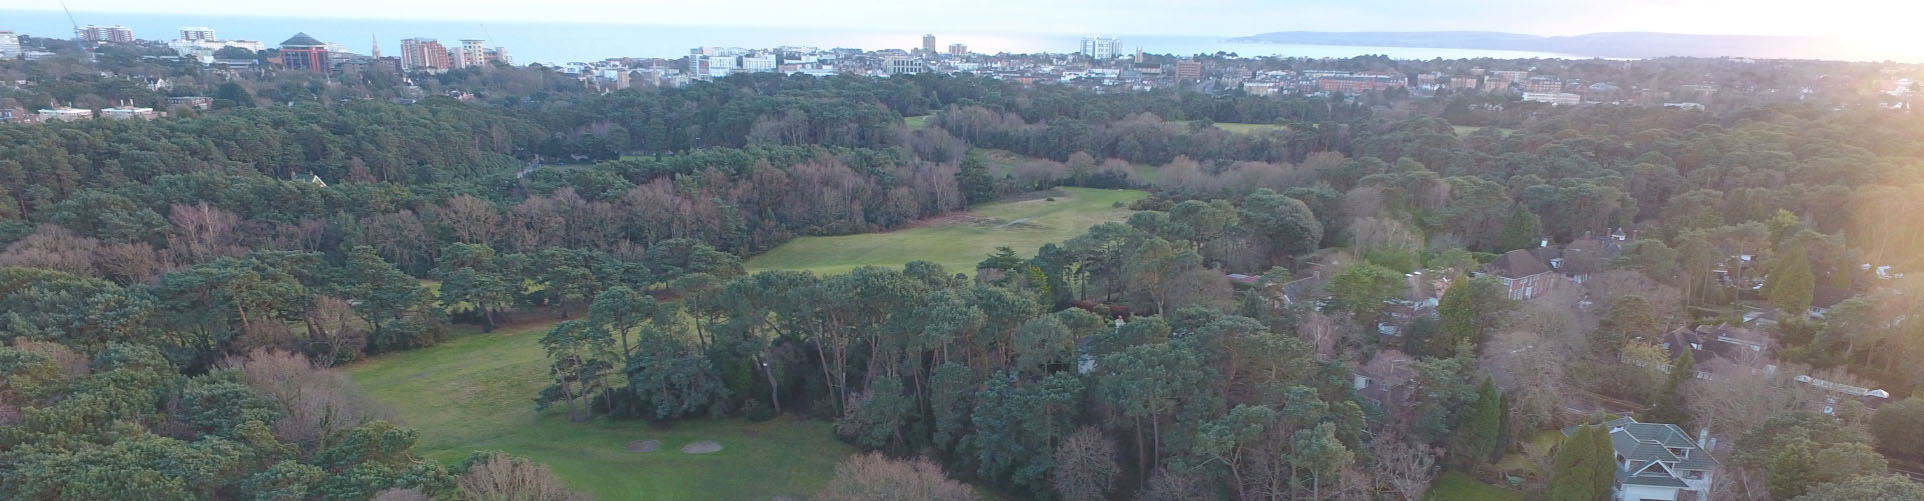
<point x="78" y="40"/>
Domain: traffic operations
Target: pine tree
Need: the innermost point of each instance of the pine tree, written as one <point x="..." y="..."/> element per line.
<point x="1790" y="284"/>
<point x="1484" y="426"/>
<point x="1521" y="231"/>
<point x="1583" y="468"/>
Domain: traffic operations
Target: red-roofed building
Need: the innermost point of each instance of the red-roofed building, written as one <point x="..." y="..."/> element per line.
<point x="306" y="54"/>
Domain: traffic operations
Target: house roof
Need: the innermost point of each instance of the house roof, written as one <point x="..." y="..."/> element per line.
<point x="1516" y="264"/>
<point x="302" y="40"/>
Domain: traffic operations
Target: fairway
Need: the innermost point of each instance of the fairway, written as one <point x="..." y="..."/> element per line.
<point x="957" y="241"/>
<point x="476" y="392"/>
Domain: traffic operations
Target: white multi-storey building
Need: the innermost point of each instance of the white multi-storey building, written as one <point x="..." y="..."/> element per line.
<point x="197" y="33"/>
<point x="1102" y="48"/>
<point x="9" y="45"/>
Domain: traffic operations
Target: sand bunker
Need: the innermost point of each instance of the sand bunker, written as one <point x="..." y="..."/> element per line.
<point x="702" y="447"/>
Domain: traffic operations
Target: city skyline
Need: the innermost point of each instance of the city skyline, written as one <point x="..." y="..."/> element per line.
<point x="1874" y="22"/>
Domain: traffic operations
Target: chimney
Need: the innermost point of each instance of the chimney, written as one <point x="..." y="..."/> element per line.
<point x="1703" y="439"/>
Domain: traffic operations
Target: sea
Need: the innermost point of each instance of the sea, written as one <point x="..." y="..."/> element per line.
<point x="550" y="43"/>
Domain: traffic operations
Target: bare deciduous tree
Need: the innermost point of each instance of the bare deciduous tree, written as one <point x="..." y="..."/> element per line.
<point x="53" y="248"/>
<point x="507" y="478"/>
<point x="872" y="477"/>
<point x="1086" y="467"/>
<point x="469" y="219"/>
<point x="201" y="233"/>
<point x="1405" y="467"/>
<point x="315" y="402"/>
<point x="129" y="263"/>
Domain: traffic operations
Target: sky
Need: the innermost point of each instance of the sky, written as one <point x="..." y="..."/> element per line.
<point x="1883" y="23"/>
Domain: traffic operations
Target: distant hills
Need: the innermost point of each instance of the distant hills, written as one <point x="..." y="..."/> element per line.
<point x="1610" y="45"/>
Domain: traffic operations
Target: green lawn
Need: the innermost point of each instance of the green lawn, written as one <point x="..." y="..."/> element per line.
<point x="1455" y="486"/>
<point x="916" y="122"/>
<point x="476" y="392"/>
<point x="959" y="241"/>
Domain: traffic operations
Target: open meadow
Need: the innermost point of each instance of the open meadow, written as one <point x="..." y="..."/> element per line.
<point x="958" y="241"/>
<point x="476" y="392"/>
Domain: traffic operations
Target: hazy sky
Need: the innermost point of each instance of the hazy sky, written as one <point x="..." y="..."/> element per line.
<point x="1866" y="21"/>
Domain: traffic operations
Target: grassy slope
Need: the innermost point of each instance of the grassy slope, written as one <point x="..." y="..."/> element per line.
<point x="959" y="242"/>
<point x="1249" y="128"/>
<point x="1455" y="486"/>
<point x="475" y="392"/>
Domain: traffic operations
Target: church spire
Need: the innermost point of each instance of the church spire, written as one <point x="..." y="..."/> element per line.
<point x="377" y="46"/>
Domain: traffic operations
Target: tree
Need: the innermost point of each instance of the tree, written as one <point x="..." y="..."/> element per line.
<point x="873" y="477"/>
<point x="1584" y="466"/>
<point x="1363" y="288"/>
<point x="1669" y="401"/>
<point x="1480" y="436"/>
<point x="1866" y="488"/>
<point x="974" y="180"/>
<point x="1790" y="284"/>
<point x="1521" y="231"/>
<point x="1466" y="313"/>
<point x="1086" y="468"/>
<point x="232" y="95"/>
<point x="1628" y="318"/>
<point x="1896" y="425"/>
<point x="1405" y="466"/>
<point x="501" y="477"/>
<point x="1286" y="225"/>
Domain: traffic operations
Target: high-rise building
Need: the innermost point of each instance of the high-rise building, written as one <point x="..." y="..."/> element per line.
<point x="473" y="53"/>
<point x="956" y="49"/>
<point x="1188" y="70"/>
<point x="96" y="33"/>
<point x="197" y="33"/>
<point x="9" y="45"/>
<point x="928" y="44"/>
<point x="424" y="54"/>
<point x="305" y="53"/>
<point x="1101" y="48"/>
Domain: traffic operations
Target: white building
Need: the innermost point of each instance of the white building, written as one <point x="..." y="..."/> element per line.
<point x="128" y="113"/>
<point x="96" y="33"/>
<point x="9" y="45"/>
<point x="1554" y="98"/>
<point x="758" y="62"/>
<point x="65" y="114"/>
<point x="1101" y="48"/>
<point x="193" y="33"/>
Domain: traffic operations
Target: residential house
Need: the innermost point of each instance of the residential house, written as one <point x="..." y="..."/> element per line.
<point x="1523" y="275"/>
<point x="1658" y="462"/>
<point x="1385" y="379"/>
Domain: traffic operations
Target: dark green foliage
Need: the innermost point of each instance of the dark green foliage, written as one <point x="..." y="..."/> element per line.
<point x="1584" y="466"/>
<point x="1896" y="425"/>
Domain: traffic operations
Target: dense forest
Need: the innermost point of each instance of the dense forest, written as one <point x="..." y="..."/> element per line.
<point x="174" y="292"/>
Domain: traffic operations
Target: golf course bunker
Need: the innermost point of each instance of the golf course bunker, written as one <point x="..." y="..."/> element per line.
<point x="644" y="445"/>
<point x="702" y="447"/>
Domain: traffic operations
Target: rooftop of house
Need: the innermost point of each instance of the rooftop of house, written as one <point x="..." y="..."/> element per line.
<point x="1641" y="444"/>
<point x="1516" y="264"/>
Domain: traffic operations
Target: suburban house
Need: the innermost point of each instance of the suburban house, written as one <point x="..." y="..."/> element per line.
<point x="1385" y="379"/>
<point x="1523" y="275"/>
<point x="1658" y="462"/>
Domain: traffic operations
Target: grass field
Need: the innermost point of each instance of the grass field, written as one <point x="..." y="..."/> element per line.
<point x="1455" y="486"/>
<point x="916" y="122"/>
<point x="476" y="392"/>
<point x="959" y="241"/>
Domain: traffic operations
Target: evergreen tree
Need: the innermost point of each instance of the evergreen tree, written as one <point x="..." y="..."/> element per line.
<point x="1482" y="428"/>
<point x="1521" y="231"/>
<point x="1790" y="285"/>
<point x="977" y="184"/>
<point x="1583" y="468"/>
